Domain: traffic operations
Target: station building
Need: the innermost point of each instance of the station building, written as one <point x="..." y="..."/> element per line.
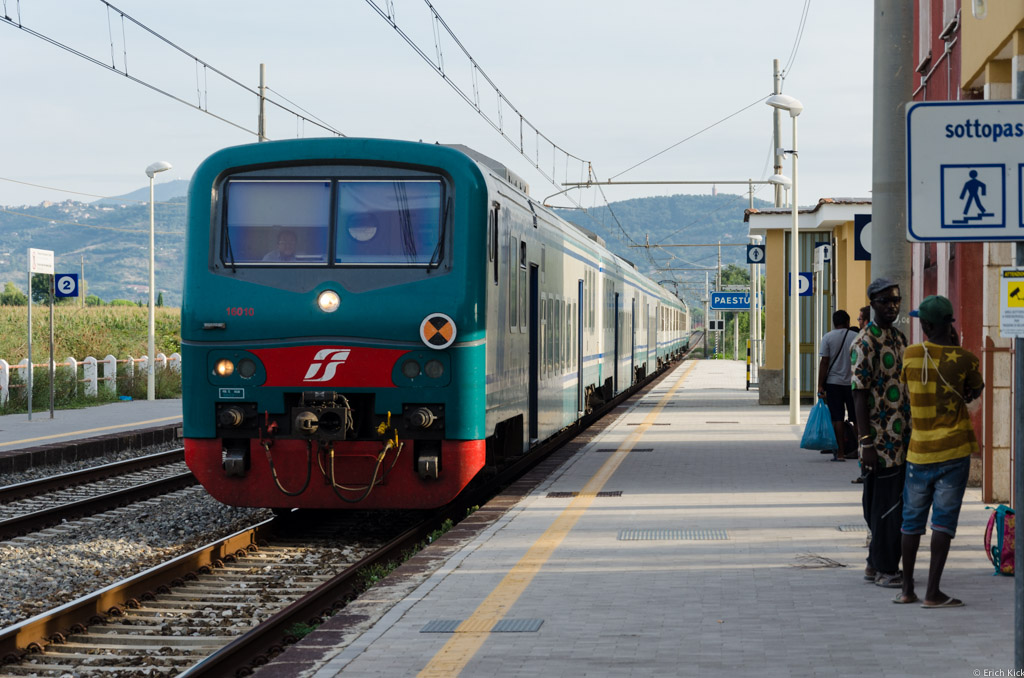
<point x="965" y="51"/>
<point x="974" y="51"/>
<point x="840" y="284"/>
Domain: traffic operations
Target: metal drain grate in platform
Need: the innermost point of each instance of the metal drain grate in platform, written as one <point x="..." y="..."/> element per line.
<point x="615" y="449"/>
<point x="503" y="626"/>
<point x="657" y="423"/>
<point x="673" y="535"/>
<point x="570" y="495"/>
<point x="853" y="528"/>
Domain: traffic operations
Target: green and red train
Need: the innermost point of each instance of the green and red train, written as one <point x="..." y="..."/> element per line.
<point x="368" y="323"/>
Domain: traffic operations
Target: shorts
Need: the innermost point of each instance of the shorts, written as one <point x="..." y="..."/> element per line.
<point x="838" y="398"/>
<point x="940" y="486"/>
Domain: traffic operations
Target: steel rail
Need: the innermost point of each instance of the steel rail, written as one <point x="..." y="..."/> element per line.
<point x="31" y="522"/>
<point x="62" y="481"/>
<point x="32" y="635"/>
<point x="265" y="641"/>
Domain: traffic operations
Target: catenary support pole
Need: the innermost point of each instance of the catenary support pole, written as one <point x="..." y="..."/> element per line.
<point x="777" y="133"/>
<point x="30" y="375"/>
<point x="262" y="134"/>
<point x="1018" y="493"/>
<point x="52" y="369"/>
<point x="893" y="89"/>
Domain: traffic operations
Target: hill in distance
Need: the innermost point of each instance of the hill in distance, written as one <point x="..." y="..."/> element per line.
<point x="111" y="237"/>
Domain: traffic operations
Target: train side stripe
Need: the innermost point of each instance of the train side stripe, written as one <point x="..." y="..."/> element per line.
<point x="471" y="634"/>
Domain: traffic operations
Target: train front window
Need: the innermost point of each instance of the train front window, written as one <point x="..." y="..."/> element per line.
<point x="388" y="222"/>
<point x="276" y="222"/>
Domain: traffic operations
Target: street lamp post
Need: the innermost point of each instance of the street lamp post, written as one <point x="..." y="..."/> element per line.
<point x="794" y="107"/>
<point x="160" y="166"/>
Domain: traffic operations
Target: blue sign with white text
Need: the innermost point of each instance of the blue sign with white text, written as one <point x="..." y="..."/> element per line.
<point x="730" y="301"/>
<point x="803" y="284"/>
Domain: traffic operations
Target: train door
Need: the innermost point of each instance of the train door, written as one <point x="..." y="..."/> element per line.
<point x="632" y="343"/>
<point x="534" y="350"/>
<point x="579" y="350"/>
<point x="615" y="369"/>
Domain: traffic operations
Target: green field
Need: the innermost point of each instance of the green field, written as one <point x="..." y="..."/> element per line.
<point x="91" y="331"/>
<point x="121" y="331"/>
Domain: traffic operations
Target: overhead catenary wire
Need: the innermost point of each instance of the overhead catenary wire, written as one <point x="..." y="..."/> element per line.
<point x="17" y="22"/>
<point x="437" y="63"/>
<point x="89" y="195"/>
<point x="695" y="134"/>
<point x="796" y="40"/>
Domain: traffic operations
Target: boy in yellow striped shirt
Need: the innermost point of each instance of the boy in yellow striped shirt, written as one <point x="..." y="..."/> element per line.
<point x="941" y="378"/>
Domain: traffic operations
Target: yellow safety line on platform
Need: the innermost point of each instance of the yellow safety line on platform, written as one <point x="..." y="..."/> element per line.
<point x="471" y="634"/>
<point x="88" y="430"/>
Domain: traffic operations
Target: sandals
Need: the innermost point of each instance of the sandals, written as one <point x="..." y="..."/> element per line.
<point x="889" y="581"/>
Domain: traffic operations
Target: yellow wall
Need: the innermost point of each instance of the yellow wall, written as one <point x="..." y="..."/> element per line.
<point x="852" y="277"/>
<point x="982" y="40"/>
<point x="775" y="299"/>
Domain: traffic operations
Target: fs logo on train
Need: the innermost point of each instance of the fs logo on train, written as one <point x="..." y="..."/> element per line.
<point x="325" y="364"/>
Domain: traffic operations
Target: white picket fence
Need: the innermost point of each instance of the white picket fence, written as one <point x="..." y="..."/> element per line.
<point x="90" y="370"/>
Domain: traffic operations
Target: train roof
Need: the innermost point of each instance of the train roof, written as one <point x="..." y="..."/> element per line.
<point x="502" y="170"/>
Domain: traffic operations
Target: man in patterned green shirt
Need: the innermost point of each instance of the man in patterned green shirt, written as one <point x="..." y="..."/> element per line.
<point x="883" y="427"/>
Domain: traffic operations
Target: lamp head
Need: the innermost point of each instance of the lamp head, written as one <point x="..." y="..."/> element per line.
<point x="786" y="103"/>
<point x="159" y="166"/>
<point x="780" y="180"/>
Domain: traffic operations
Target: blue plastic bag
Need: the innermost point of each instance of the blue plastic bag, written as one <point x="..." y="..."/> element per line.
<point x="819" y="434"/>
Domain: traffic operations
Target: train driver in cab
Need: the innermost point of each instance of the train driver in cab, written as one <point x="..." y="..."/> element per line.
<point x="287" y="242"/>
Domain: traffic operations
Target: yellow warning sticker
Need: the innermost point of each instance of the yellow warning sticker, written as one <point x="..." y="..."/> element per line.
<point x="1015" y="294"/>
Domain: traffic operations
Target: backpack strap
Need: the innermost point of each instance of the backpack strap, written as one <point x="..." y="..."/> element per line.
<point x="831" y="364"/>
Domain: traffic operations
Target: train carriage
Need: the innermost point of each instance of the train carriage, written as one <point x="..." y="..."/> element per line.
<point x="368" y="323"/>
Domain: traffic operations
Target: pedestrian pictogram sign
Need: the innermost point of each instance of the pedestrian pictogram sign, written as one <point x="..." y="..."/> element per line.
<point x="965" y="171"/>
<point x="1011" y="307"/>
<point x="437" y="331"/>
<point x="755" y="254"/>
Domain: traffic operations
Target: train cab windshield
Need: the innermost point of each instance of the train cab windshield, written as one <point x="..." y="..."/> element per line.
<point x="336" y="223"/>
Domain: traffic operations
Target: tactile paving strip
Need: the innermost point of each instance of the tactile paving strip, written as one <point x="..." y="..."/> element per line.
<point x="570" y="495"/>
<point x="674" y="535"/>
<point x="503" y="626"/>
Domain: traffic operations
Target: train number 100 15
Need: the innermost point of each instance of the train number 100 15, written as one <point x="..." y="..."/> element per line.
<point x="241" y="311"/>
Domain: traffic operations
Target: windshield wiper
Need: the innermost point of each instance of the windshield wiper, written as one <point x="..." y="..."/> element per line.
<point x="438" y="254"/>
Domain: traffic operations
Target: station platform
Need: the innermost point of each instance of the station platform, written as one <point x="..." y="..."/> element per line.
<point x="702" y="542"/>
<point x="87" y="432"/>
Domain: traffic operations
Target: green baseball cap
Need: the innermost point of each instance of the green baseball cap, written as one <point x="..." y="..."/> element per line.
<point x="935" y="309"/>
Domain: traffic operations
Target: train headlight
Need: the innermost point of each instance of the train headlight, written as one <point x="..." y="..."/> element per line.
<point x="328" y="301"/>
<point x="411" y="369"/>
<point x="246" y="368"/>
<point x="224" y="368"/>
<point x="434" y="369"/>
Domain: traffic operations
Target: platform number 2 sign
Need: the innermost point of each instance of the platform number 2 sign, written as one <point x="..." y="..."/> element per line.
<point x="66" y="285"/>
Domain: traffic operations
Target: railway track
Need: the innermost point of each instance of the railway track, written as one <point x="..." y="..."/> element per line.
<point x="35" y="505"/>
<point x="234" y="604"/>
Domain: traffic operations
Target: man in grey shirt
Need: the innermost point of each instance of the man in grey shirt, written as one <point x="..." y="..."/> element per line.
<point x="834" y="377"/>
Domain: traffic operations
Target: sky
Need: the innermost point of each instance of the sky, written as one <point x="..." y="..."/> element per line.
<point x="612" y="83"/>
